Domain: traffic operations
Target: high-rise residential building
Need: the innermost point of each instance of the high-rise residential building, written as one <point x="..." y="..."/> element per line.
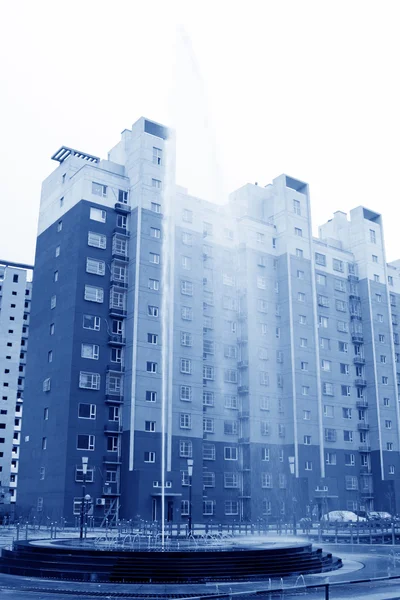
<point x="277" y="352"/>
<point x="15" y="300"/>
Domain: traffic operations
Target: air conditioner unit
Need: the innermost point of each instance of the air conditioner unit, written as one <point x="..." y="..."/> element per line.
<point x="100" y="501"/>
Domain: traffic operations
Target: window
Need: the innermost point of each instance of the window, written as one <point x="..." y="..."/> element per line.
<point x="96" y="214"/>
<point x="372" y="236"/>
<point x="151" y="396"/>
<point x="85" y="442"/>
<point x="330" y="435"/>
<point x="55" y="280"/>
<point x="155" y="207"/>
<point x="299" y="253"/>
<point x="306" y="415"/>
<point x="150" y="426"/>
<point x="53" y="301"/>
<point x="379" y="318"/>
<point x="154" y="284"/>
<point x="186" y="288"/>
<point x="340" y="285"/>
<point x="302" y="319"/>
<point x="374" y="258"/>
<point x="301" y="297"/>
<point x="151" y="367"/>
<point x="351" y="482"/>
<point x="185" y="421"/>
<point x="338" y="265"/>
<point x="265" y="428"/>
<point x="152" y="338"/>
<point x="376" y="278"/>
<point x="342" y="346"/>
<point x="149" y="457"/>
<point x="388" y="424"/>
<point x="390" y="280"/>
<point x="230" y="427"/>
<point x="94" y="266"/>
<point x="386" y="402"/>
<point x="300" y="274"/>
<point x="308" y="465"/>
<point x="304" y="366"/>
<point x="89" y="322"/>
<point x="346" y="413"/>
<point x="186" y="263"/>
<point x="94" y="294"/>
<point x="323" y="300"/>
<point x="330" y="458"/>
<point x="341" y="306"/>
<point x="298" y="232"/>
<point x="231" y="479"/>
<point x="327" y="389"/>
<point x="307" y="440"/>
<point x="385" y="380"/>
<point x="325" y="343"/>
<point x="378" y="297"/>
<point x="208" y="451"/>
<point x="187" y="215"/>
<point x="86" y="411"/>
<point x="122" y="221"/>
<point x="208" y="398"/>
<point x="321" y="279"/>
<point x="187" y="240"/>
<point x="266" y="480"/>
<point x="156" y="183"/>
<point x="89" y="381"/>
<point x="328" y="411"/>
<point x="303" y="343"/>
<point x="44" y="443"/>
<point x="208" y="507"/>
<point x="325" y="365"/>
<point x="152" y="311"/>
<point x="155" y="233"/>
<point x="383" y="358"/>
<point x="46" y="385"/>
<point x="381" y="338"/>
<point x="264" y="378"/>
<point x="154" y="258"/>
<point x="186" y="365"/>
<point x="185" y="393"/>
<point x="323" y="322"/>
<point x="46" y="414"/>
<point x="99" y="189"/>
<point x="59" y="226"/>
<point x="97" y="240"/>
<point x="391" y="469"/>
<point x="261" y="282"/>
<point x="389" y="446"/>
<point x="320" y="259"/>
<point x="90" y="351"/>
<point x="346" y="391"/>
<point x="347" y="435"/>
<point x="304" y="390"/>
<point x="57" y="251"/>
<point x="296" y="207"/>
<point x="230" y="453"/>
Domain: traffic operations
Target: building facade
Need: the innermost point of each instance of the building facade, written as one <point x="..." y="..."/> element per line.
<point x="15" y="299"/>
<point x="225" y="334"/>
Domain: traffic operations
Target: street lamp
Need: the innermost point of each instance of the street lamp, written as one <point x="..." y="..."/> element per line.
<point x="190" y="474"/>
<point x="85" y="461"/>
<point x="294" y="499"/>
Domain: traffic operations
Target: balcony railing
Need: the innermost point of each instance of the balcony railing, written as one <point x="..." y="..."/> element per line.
<point x="112" y="458"/>
<point x="363" y="426"/>
<point x="122" y="208"/>
<point x="359" y="360"/>
<point x="243" y="389"/>
<point x="362" y="403"/>
<point x="113" y="427"/>
<point x="360" y="382"/>
<point x="116" y="339"/>
<point x="357" y="338"/>
<point x="243" y="364"/>
<point x="364" y="448"/>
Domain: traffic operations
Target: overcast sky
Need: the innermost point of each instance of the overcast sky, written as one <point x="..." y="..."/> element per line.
<point x="309" y="88"/>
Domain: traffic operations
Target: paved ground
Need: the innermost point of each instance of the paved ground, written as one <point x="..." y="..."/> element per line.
<point x="360" y="562"/>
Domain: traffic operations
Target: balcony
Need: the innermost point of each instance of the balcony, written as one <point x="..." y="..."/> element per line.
<point x="110" y="490"/>
<point x="242" y="316"/>
<point x="122" y="231"/>
<point x="355" y="316"/>
<point x="359" y="382"/>
<point x="243" y="389"/>
<point x="365" y="470"/>
<point x="243" y="364"/>
<point x="353" y="278"/>
<point x="117" y="312"/>
<point x="364" y="448"/>
<point x="116" y="339"/>
<point x="363" y="426"/>
<point x="367" y="493"/>
<point x="116" y="367"/>
<point x="244" y="440"/>
<point x="357" y="338"/>
<point x="359" y="360"/>
<point x="116" y="398"/>
<point x="244" y="414"/>
<point x="242" y="340"/>
<point x="122" y="208"/>
<point x="112" y="458"/>
<point x="113" y="427"/>
<point x="362" y="403"/>
<point x="354" y="297"/>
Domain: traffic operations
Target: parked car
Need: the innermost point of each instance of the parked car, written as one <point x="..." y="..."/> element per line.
<point x="342" y="516"/>
<point x="378" y="515"/>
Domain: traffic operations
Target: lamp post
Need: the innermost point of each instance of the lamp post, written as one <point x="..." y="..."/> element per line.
<point x="294" y="499"/>
<point x="190" y="474"/>
<point x="85" y="461"/>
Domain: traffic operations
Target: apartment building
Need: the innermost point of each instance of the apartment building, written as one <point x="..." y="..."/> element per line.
<point x="15" y="299"/>
<point x="225" y="334"/>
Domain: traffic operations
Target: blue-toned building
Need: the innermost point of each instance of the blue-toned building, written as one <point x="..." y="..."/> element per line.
<point x="277" y="352"/>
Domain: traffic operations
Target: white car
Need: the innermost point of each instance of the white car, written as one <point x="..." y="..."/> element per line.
<point x="342" y="516"/>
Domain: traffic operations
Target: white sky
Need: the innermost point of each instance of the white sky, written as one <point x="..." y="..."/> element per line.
<point x="309" y="88"/>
